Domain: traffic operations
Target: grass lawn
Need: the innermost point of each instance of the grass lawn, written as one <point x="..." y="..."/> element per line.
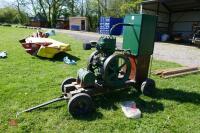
<point x="26" y="81"/>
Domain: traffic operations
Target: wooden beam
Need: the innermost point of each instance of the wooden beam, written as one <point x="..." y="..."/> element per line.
<point x="177" y="71"/>
<point x="181" y="74"/>
<point x="174" y="72"/>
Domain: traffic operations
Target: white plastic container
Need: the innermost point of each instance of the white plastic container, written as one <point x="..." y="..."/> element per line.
<point x="130" y="110"/>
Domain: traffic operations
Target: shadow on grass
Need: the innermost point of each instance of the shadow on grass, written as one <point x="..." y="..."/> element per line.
<point x="177" y="95"/>
<point x="60" y="56"/>
<point x="109" y="101"/>
<point x="90" y="117"/>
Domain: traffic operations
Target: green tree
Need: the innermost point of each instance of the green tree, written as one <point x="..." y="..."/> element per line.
<point x="114" y="8"/>
<point x="11" y="15"/>
<point x="129" y="6"/>
<point x="50" y="10"/>
<point x="93" y="9"/>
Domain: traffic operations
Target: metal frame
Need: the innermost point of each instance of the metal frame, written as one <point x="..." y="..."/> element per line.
<point x="92" y="91"/>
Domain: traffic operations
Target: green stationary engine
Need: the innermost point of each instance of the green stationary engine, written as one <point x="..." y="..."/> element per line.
<point x="110" y="69"/>
<point x="106" y="45"/>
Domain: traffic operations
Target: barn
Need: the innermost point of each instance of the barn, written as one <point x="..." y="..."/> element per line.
<point x="176" y="18"/>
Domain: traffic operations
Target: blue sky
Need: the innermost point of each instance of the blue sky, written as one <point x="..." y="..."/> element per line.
<point x="4" y="3"/>
<point x="12" y="3"/>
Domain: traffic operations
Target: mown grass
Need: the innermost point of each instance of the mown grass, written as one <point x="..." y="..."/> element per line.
<point x="26" y="81"/>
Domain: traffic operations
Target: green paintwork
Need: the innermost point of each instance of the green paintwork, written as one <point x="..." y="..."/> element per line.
<point x="140" y="37"/>
<point x="87" y="78"/>
<point x="106" y="44"/>
<point x="115" y="65"/>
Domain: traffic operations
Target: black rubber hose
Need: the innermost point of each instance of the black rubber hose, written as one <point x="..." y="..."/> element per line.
<point x="116" y="25"/>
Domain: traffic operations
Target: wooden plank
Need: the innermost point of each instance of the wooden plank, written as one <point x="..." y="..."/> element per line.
<point x="181" y="74"/>
<point x="176" y="71"/>
<point x="159" y="72"/>
<point x="173" y="72"/>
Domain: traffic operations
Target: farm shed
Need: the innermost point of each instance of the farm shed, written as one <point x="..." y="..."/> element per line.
<point x="38" y="21"/>
<point x="175" y="17"/>
<point x="78" y="23"/>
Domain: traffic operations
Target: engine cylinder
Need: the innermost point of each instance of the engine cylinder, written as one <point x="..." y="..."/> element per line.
<point x="85" y="78"/>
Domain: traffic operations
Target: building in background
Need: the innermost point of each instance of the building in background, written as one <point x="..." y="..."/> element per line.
<point x="177" y="18"/>
<point x="62" y="23"/>
<point x="78" y="23"/>
<point x="38" y="21"/>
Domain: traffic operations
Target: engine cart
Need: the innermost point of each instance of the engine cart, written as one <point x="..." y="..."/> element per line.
<point x="110" y="69"/>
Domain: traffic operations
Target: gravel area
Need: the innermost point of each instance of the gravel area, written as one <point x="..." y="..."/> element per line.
<point x="184" y="55"/>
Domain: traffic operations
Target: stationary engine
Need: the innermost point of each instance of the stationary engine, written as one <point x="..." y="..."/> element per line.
<point x="109" y="67"/>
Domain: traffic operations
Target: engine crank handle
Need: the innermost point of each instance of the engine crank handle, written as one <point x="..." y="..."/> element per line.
<point x="43" y="104"/>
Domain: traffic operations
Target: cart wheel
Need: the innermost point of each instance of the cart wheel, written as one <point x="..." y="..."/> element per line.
<point x="80" y="104"/>
<point x="67" y="81"/>
<point x="148" y="87"/>
<point x="87" y="46"/>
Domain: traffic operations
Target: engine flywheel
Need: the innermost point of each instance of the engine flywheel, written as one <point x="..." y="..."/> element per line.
<point x="117" y="69"/>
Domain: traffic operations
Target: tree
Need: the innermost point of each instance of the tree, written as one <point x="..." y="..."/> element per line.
<point x="92" y="12"/>
<point x="129" y="6"/>
<point x="114" y="8"/>
<point x="11" y="15"/>
<point x="51" y="10"/>
<point x="73" y="7"/>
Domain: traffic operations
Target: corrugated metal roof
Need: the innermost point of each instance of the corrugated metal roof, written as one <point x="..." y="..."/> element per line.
<point x="173" y="5"/>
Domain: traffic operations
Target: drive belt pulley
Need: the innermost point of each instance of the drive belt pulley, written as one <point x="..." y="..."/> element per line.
<point x="117" y="69"/>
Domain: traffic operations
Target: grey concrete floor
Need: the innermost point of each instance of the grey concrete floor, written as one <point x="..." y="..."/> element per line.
<point x="184" y="55"/>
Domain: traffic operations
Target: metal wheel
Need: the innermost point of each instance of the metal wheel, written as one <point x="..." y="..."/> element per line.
<point x="92" y="61"/>
<point x="67" y="81"/>
<point x="148" y="87"/>
<point x="117" y="69"/>
<point x="80" y="104"/>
